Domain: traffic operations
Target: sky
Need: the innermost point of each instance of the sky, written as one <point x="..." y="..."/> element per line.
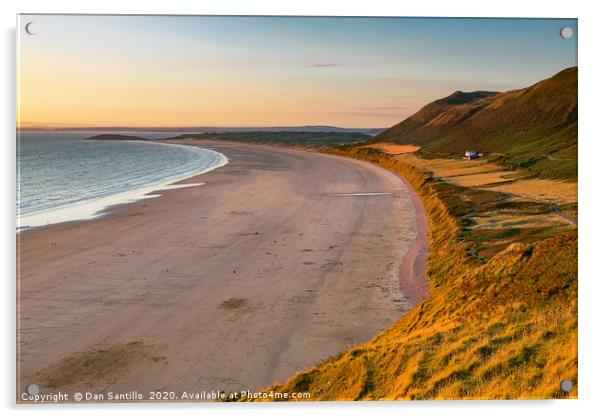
<point x="170" y="71"/>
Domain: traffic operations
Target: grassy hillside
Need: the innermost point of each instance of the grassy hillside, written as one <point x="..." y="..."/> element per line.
<point x="506" y="328"/>
<point x="534" y="128"/>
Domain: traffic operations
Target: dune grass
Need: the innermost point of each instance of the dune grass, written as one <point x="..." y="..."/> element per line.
<point x="504" y="328"/>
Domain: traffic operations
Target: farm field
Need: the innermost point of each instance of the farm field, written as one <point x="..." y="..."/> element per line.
<point x="483" y="174"/>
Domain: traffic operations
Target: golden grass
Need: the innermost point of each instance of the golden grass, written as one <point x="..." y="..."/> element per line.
<point x="479" y="194"/>
<point x="506" y="329"/>
<point x="393" y="149"/>
<point x="480" y="179"/>
<point x="483" y="174"/>
<point x="553" y="191"/>
<point x="496" y="220"/>
<point x="447" y="167"/>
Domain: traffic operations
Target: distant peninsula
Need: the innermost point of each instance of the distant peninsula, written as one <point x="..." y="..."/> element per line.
<point x="116" y="137"/>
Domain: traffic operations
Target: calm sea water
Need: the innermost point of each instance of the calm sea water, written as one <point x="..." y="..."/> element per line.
<point x="61" y="169"/>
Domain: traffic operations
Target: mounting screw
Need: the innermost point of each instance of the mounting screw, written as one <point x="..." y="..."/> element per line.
<point x="32" y="389"/>
<point x="566" y="32"/>
<point x="566" y="385"/>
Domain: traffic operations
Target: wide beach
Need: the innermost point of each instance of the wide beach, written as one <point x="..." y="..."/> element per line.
<point x="280" y="260"/>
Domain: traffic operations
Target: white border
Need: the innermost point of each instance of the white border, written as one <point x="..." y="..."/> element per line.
<point x="590" y="146"/>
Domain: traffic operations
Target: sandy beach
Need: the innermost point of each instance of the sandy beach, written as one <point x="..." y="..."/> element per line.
<point x="281" y="259"/>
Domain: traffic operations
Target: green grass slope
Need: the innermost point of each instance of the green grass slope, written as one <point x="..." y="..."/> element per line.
<point x="534" y="128"/>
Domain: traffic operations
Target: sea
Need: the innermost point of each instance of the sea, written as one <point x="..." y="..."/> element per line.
<point x="62" y="176"/>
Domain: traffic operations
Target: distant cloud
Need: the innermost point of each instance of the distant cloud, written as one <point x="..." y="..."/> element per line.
<point x="324" y="65"/>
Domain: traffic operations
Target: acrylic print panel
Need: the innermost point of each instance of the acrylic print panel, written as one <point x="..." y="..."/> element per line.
<point x="296" y="208"/>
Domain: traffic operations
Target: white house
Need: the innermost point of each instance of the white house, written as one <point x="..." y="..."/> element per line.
<point x="471" y="155"/>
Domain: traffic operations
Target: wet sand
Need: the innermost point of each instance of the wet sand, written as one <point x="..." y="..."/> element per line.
<point x="280" y="260"/>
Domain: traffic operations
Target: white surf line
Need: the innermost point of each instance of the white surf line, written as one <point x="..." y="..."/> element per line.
<point x="363" y="194"/>
<point x="95" y="208"/>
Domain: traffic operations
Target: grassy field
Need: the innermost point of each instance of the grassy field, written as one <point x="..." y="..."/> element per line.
<point x="497" y="206"/>
<point x="560" y="192"/>
<point x="484" y="174"/>
<point x="501" y="321"/>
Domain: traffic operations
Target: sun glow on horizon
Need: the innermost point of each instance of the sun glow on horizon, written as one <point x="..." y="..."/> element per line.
<point x="161" y="71"/>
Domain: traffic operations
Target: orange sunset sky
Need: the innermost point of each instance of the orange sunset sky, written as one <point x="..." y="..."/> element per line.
<point x="151" y="71"/>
